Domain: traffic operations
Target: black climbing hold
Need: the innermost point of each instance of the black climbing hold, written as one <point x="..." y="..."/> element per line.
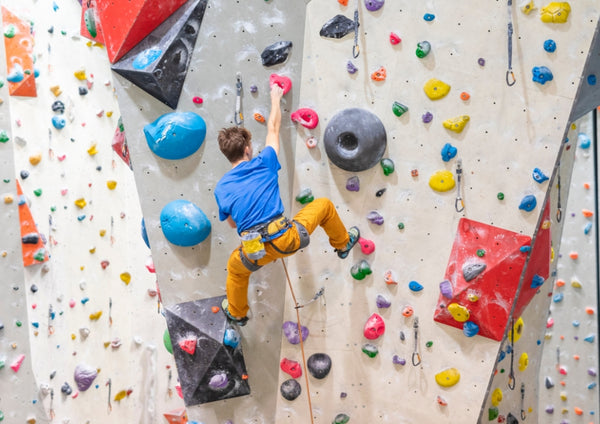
<point x="549" y="383"/>
<point x="52" y="375"/>
<point x="33" y="288"/>
<point x="66" y="389"/>
<point x="510" y="419"/>
<point x="470" y="271"/>
<point x="31" y="238"/>
<point x="83" y="91"/>
<point x="276" y="53"/>
<point x="201" y="370"/>
<point x="355" y="139"/>
<point x="99" y="168"/>
<point x="1" y="326"/>
<point x="158" y="64"/>
<point x="319" y="365"/>
<point x="380" y="192"/>
<point x="58" y="106"/>
<point x="24" y="174"/>
<point x="290" y="389"/>
<point x="337" y="27"/>
<point x="51" y="30"/>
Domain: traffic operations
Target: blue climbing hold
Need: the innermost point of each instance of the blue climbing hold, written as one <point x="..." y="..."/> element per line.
<point x="429" y="17"/>
<point x="231" y="338"/>
<point x="146" y="58"/>
<point x="558" y="297"/>
<point x="575" y="323"/>
<point x="525" y="249"/>
<point x="591" y="79"/>
<point x="590" y="338"/>
<point x="448" y="152"/>
<point x="16" y="74"/>
<point x="584" y="141"/>
<point x="542" y="74"/>
<point x="550" y="46"/>
<point x="58" y="122"/>
<point x="183" y="223"/>
<point x="415" y="286"/>
<point x="588" y="228"/>
<point x="501" y="356"/>
<point x="145" y="234"/>
<point x="470" y="328"/>
<point x="539" y="176"/>
<point x="528" y="203"/>
<point x="537" y="281"/>
<point x="175" y="135"/>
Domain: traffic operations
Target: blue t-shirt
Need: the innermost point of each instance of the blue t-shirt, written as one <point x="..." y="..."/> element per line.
<point x="249" y="193"/>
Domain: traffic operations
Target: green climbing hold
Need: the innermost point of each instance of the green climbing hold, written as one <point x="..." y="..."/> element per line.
<point x="1" y="364"/>
<point x="6" y="180"/>
<point x="361" y="270"/>
<point x="3" y="136"/>
<point x="481" y="253"/>
<point x="1" y="415"/>
<point x="399" y="109"/>
<point x="341" y="419"/>
<point x="305" y="196"/>
<point x="423" y="49"/>
<point x="18" y="323"/>
<point x="10" y="31"/>
<point x="401" y="225"/>
<point x="90" y="22"/>
<point x="493" y="413"/>
<point x="387" y="165"/>
<point x="500" y="196"/>
<point x="370" y="350"/>
<point x="429" y="344"/>
<point x="52" y="208"/>
<point x="40" y="254"/>
<point x="37" y="192"/>
<point x="167" y="341"/>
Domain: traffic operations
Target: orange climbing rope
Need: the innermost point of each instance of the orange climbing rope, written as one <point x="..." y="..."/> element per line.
<point x="297" y="307"/>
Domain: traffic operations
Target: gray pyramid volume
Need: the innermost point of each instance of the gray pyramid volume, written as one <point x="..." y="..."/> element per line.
<point x="159" y="63"/>
<point x="208" y="369"/>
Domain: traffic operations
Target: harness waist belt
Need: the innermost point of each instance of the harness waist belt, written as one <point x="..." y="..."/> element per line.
<point x="272" y="229"/>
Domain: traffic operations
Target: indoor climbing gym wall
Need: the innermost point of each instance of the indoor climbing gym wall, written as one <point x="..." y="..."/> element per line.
<point x="446" y="133"/>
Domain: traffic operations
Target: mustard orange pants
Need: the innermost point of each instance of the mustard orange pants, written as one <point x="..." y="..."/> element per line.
<point x="320" y="212"/>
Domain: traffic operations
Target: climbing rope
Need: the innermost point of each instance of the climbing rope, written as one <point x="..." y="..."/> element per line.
<point x="238" y="116"/>
<point x="297" y="307"/>
<point x="509" y="71"/>
<point x="355" y="48"/>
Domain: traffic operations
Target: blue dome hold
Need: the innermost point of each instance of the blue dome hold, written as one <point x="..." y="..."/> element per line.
<point x="183" y="223"/>
<point x="58" y="122"/>
<point x="550" y="46"/>
<point x="145" y="234"/>
<point x="175" y="135"/>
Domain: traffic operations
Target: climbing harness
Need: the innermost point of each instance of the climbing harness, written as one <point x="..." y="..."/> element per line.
<point x="558" y="205"/>
<point x="416" y="356"/>
<point x="287" y="275"/>
<point x="238" y="116"/>
<point x="355" y="48"/>
<point x="523" y="415"/>
<point x="509" y="71"/>
<point x="317" y="295"/>
<point x="459" y="204"/>
<point x="511" y="373"/>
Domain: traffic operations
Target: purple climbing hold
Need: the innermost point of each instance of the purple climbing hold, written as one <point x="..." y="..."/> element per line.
<point x="550" y="409"/>
<point x="218" y="381"/>
<point x="84" y="376"/>
<point x="374" y="5"/>
<point x="446" y="289"/>
<point x="353" y="184"/>
<point x="398" y="360"/>
<point x="481" y="61"/>
<point x="290" y="329"/>
<point x="375" y="217"/>
<point x="427" y="117"/>
<point x="351" y="68"/>
<point x="382" y="302"/>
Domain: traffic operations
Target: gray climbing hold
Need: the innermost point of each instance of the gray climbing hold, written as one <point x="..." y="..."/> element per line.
<point x="319" y="365"/>
<point x="471" y="271"/>
<point x="337" y="27"/>
<point x="290" y="389"/>
<point x="276" y="53"/>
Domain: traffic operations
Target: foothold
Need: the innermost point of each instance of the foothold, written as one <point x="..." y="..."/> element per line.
<point x="290" y="330"/>
<point x="353" y="183"/>
<point x="305" y="196"/>
<point x="472" y="270"/>
<point x="374" y="5"/>
<point x="253" y="89"/>
<point x="291" y="367"/>
<point x="436" y="89"/>
<point x="379" y="75"/>
<point x="258" y="117"/>
<point x="351" y="68"/>
<point x="441" y="401"/>
<point x="111" y="184"/>
<point x="428" y="17"/>
<point x="394" y="38"/>
<point x="423" y="49"/>
<point x="528" y="203"/>
<point x="584" y="140"/>
<point x="366" y="246"/>
<point x="175" y="135"/>
<point x="459" y="312"/>
<point x="375" y="218"/>
<point x="446" y="289"/>
<point x="197" y="100"/>
<point x="319" y="365"/>
<point x="456" y="124"/>
<point x="276" y="53"/>
<point x="528" y="7"/>
<point x="311" y="142"/>
<point x="387" y="165"/>
<point x="341" y="419"/>
<point x="497" y="396"/>
<point x="306" y="117"/>
<point x="408" y="311"/>
<point x="66" y="389"/>
<point x="556" y="12"/>
<point x="500" y="196"/>
<point x="183" y="223"/>
<point x="17" y="363"/>
<point x="399" y="109"/>
<point x="464" y="96"/>
<point x="290" y="389"/>
<point x="442" y="181"/>
<point x="558" y="297"/>
<point x="390" y="277"/>
<point x="374" y="327"/>
<point x="541" y="74"/>
<point x="337" y="27"/>
<point x="448" y="152"/>
<point x="84" y="375"/>
<point x="360" y="270"/>
<point x="448" y="377"/>
<point x="470" y="329"/>
<point x="427" y="117"/>
<point x="415" y="286"/>
<point x="282" y="81"/>
<point x="592" y="79"/>
<point x="523" y="361"/>
<point x="58" y="106"/>
<point x="398" y="360"/>
<point x="549" y="383"/>
<point x="370" y="350"/>
<point x="550" y="46"/>
<point x="382" y="302"/>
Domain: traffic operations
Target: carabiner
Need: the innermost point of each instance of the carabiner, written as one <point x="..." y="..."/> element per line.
<point x="512" y="75"/>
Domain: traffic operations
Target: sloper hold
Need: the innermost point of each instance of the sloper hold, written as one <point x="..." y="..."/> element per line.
<point x="159" y="63"/>
<point x="337" y="27"/>
<point x="276" y="53"/>
<point x="497" y="284"/>
<point x="211" y="356"/>
<point x="19" y="57"/>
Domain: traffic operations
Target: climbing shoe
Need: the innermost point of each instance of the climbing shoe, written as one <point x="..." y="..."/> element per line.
<point x="238" y="321"/>
<point x="354" y="235"/>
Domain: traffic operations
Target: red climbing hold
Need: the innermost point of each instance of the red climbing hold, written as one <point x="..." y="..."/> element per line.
<point x="366" y="246"/>
<point x="374" y="327"/>
<point x="291" y="367"/>
<point x="284" y="82"/>
<point x="394" y="38"/>
<point x="306" y="117"/>
<point x="188" y="345"/>
<point x="17" y="363"/>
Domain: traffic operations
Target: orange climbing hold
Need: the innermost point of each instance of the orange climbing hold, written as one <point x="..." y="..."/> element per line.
<point x="215" y="309"/>
<point x="19" y="56"/>
<point x="578" y="411"/>
<point x="586" y="186"/>
<point x="33" y="253"/>
<point x="589" y="311"/>
<point x="560" y="283"/>
<point x="573" y="255"/>
<point x="587" y="213"/>
<point x="258" y="117"/>
<point x="343" y="2"/>
<point x="177" y="416"/>
<point x="379" y="75"/>
<point x="464" y="96"/>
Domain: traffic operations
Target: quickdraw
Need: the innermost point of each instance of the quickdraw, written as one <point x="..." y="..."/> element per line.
<point x="238" y="116"/>
<point x="523" y="415"/>
<point x="459" y="204"/>
<point x="511" y="373"/>
<point x="416" y="356"/>
<point x="509" y="72"/>
<point x="558" y="205"/>
<point x="355" y="48"/>
<point x="317" y="295"/>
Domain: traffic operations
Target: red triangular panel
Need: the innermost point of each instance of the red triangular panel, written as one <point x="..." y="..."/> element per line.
<point x="489" y="296"/>
<point x="19" y="50"/>
<point x="90" y="20"/>
<point x="31" y="251"/>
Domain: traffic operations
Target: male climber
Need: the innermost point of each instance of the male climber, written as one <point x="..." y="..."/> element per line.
<point x="248" y="198"/>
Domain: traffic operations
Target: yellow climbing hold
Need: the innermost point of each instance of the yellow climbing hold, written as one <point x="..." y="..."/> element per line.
<point x="35" y="159"/>
<point x="575" y="284"/>
<point x="459" y="312"/>
<point x="523" y="361"/>
<point x="448" y="377"/>
<point x="555" y="12"/>
<point x="109" y="113"/>
<point x="106" y="344"/>
<point x="80" y="74"/>
<point x="92" y="150"/>
<point x="93" y="249"/>
<point x="517" y="330"/>
<point x="96" y="315"/>
<point x="456" y="124"/>
<point x="73" y="336"/>
<point x="546" y="224"/>
<point x="442" y="181"/>
<point x="8" y="199"/>
<point x="80" y="203"/>
<point x="56" y="90"/>
<point x="126" y="277"/>
<point x="552" y="254"/>
<point x="563" y="395"/>
<point x="528" y="7"/>
<point x="102" y="233"/>
<point x="121" y="395"/>
<point x="497" y="396"/>
<point x="473" y="296"/>
<point x="436" y="89"/>
<point x="111" y="184"/>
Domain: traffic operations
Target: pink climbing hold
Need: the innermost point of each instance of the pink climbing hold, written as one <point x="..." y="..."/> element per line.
<point x="188" y="345"/>
<point x="366" y="246"/>
<point x="290" y="367"/>
<point x="306" y="117"/>
<point x="394" y="38"/>
<point x="17" y="364"/>
<point x="374" y="327"/>
<point x="284" y="82"/>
